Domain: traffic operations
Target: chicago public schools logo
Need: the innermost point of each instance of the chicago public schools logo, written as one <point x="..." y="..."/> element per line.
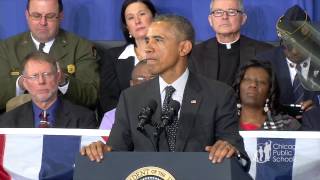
<point x="277" y="151"/>
<point x="150" y="173"/>
<point x="263" y="153"/>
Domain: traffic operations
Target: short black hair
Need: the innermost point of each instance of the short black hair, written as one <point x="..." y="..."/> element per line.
<point x="273" y="88"/>
<point x="59" y="3"/>
<point x="125" y="4"/>
<point x="182" y="25"/>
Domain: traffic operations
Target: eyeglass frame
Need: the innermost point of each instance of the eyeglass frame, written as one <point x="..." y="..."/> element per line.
<point x="256" y="81"/>
<point x="35" y="77"/>
<point x="47" y="17"/>
<point x="236" y="12"/>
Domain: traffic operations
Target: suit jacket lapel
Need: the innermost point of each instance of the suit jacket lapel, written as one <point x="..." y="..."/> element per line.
<point x="26" y="119"/>
<point x="26" y="46"/>
<point x="212" y="64"/>
<point x="190" y="105"/>
<point x="58" y="49"/>
<point x="124" y="68"/>
<point x="62" y="115"/>
<point x="284" y="79"/>
<point x="246" y="50"/>
<point x="152" y="91"/>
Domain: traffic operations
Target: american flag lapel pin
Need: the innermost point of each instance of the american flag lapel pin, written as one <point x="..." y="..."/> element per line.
<point x="193" y="101"/>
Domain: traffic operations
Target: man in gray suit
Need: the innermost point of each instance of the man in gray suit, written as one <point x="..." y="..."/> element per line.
<point x="41" y="75"/>
<point x="207" y="120"/>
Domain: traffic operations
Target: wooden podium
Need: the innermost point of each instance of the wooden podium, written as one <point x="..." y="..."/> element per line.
<point x="158" y="165"/>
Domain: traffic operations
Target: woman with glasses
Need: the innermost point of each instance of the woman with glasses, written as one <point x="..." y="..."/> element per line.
<point x="257" y="95"/>
<point x="118" y="63"/>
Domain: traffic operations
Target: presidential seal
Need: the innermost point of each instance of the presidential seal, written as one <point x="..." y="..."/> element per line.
<point x="150" y="173"/>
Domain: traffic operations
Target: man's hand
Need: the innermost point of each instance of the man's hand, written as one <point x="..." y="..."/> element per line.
<point x="306" y="105"/>
<point x="220" y="150"/>
<point x="95" y="151"/>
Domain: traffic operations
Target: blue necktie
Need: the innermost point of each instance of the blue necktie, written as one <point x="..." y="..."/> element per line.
<point x="298" y="90"/>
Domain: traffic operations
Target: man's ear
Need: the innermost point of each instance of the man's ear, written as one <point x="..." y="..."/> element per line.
<point x="26" y="13"/>
<point x="244" y="18"/>
<point x="185" y="48"/>
<point x="61" y="16"/>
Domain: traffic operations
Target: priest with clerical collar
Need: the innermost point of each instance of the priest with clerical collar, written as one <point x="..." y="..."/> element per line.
<point x="220" y="57"/>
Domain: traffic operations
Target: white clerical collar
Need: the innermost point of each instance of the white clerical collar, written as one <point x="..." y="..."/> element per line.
<point x="229" y="44"/>
<point x="47" y="46"/>
<point x="129" y="52"/>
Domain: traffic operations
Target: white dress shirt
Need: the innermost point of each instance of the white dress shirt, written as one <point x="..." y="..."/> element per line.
<point x="304" y="68"/>
<point x="178" y="84"/>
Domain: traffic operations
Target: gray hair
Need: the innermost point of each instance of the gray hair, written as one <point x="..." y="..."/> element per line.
<point x="241" y="8"/>
<point x="183" y="27"/>
<point x="41" y="57"/>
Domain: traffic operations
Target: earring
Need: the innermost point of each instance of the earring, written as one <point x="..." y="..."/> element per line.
<point x="238" y="108"/>
<point x="130" y="36"/>
<point x="266" y="106"/>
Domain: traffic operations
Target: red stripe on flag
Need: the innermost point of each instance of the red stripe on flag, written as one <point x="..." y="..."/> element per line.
<point x="3" y="174"/>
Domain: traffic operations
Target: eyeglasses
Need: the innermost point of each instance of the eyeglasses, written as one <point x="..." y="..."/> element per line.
<point x="44" y="75"/>
<point x="230" y="12"/>
<point x="49" y="17"/>
<point x="256" y="81"/>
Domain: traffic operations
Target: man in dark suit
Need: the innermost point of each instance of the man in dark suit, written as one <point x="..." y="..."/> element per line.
<point x="220" y="57"/>
<point x="294" y="60"/>
<point x="41" y="77"/>
<point x="207" y="120"/>
<point x="77" y="58"/>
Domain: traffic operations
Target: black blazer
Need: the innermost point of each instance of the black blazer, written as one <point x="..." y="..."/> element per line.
<point x="204" y="57"/>
<point x="68" y="115"/>
<point x="115" y="75"/>
<point x="279" y="64"/>
<point x="208" y="113"/>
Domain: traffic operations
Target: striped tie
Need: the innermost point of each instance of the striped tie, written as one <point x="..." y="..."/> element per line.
<point x="298" y="91"/>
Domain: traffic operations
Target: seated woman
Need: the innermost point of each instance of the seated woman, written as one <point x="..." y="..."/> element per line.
<point x="118" y="63"/>
<point x="257" y="96"/>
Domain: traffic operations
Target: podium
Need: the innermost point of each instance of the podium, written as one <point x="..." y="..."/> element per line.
<point x="158" y="165"/>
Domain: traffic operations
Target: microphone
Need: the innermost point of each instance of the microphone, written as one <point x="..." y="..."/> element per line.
<point x="145" y="114"/>
<point x="168" y="114"/>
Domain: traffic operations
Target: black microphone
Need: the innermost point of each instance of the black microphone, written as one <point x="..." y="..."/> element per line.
<point x="168" y="114"/>
<point x="145" y="114"/>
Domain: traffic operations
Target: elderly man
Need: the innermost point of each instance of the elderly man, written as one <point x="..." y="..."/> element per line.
<point x="76" y="56"/>
<point x="220" y="57"/>
<point x="294" y="61"/>
<point x="207" y="120"/>
<point x="41" y="79"/>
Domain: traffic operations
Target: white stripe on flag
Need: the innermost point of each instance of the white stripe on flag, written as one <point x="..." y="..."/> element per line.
<point x="15" y="149"/>
<point x="250" y="145"/>
<point x="307" y="160"/>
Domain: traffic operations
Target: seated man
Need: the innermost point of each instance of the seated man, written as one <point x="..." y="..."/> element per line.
<point x="207" y="120"/>
<point x="77" y="57"/>
<point x="41" y="75"/>
<point x="293" y="61"/>
<point x="140" y="73"/>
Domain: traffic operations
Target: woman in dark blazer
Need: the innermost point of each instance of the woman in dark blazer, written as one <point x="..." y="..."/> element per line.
<point x="117" y="63"/>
